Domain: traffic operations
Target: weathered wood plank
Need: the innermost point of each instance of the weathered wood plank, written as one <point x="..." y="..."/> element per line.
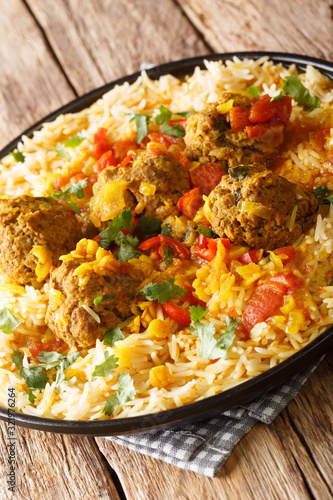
<point x="31" y="82"/>
<point x="55" y="466"/>
<point x="303" y="27"/>
<point x="105" y="40"/>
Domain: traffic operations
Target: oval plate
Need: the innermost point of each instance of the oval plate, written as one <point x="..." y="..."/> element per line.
<point x="236" y="396"/>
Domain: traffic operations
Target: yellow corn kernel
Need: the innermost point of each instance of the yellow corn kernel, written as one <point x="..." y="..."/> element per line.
<point x="158" y="328"/>
<point x="289" y="304"/>
<point x="123" y="355"/>
<point x="250" y="273"/>
<point x="295" y="321"/>
<point x="225" y="107"/>
<point x="134" y="326"/>
<point x="92" y="247"/>
<point x="276" y="260"/>
<point x="160" y="376"/>
<point x="109" y="200"/>
<point x="147" y="189"/>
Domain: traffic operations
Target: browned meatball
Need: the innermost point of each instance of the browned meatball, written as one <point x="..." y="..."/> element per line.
<point x="209" y="137"/>
<point x="67" y="315"/>
<point x="27" y="223"/>
<point x="252" y="206"/>
<point x="155" y="183"/>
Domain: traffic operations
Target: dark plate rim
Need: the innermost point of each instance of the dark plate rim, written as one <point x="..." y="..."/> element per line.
<point x="236" y="396"/>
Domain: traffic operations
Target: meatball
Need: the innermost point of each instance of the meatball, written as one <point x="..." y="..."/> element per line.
<point x="70" y="313"/>
<point x="154" y="184"/>
<point x="254" y="207"/>
<point x="209" y="137"/>
<point x="34" y="233"/>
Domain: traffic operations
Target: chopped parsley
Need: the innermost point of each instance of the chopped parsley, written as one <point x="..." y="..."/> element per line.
<point x="322" y="193"/>
<point x="163" y="119"/>
<point x="125" y="392"/>
<point x="162" y="293"/>
<point x="124" y="220"/>
<point x="71" y="142"/>
<point x="98" y="300"/>
<point x="168" y="255"/>
<point x="212" y="348"/>
<point x="126" y="243"/>
<point x="17" y="358"/>
<point x="76" y="190"/>
<point x="8" y="322"/>
<point x="205" y="231"/>
<point x="57" y="360"/>
<point x="254" y="90"/>
<point x="141" y="122"/>
<point x="166" y="230"/>
<point x="105" y="368"/>
<point x="112" y="336"/>
<point x="197" y="313"/>
<point x="293" y="87"/>
<point x="18" y="156"/>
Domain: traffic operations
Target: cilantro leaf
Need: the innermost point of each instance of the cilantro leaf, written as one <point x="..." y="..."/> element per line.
<point x="31" y="396"/>
<point x="124" y="220"/>
<point x="18" y="156"/>
<point x="112" y="336"/>
<point x="126" y="389"/>
<point x="98" y="300"/>
<point x="17" y="358"/>
<point x="162" y="293"/>
<point x="8" y="322"/>
<point x="321" y="192"/>
<point x="254" y="90"/>
<point x="166" y="230"/>
<point x="74" y="141"/>
<point x="205" y="231"/>
<point x="107" y="236"/>
<point x="60" y="361"/>
<point x="105" y="368"/>
<point x="164" y="116"/>
<point x="75" y="190"/>
<point x="278" y="96"/>
<point x="34" y="377"/>
<point x="127" y="247"/>
<point x="50" y="359"/>
<point x="62" y="152"/>
<point x="185" y="114"/>
<point x="212" y="348"/>
<point x="141" y="122"/>
<point x="125" y="392"/>
<point x="293" y="87"/>
<point x="197" y="313"/>
<point x="111" y="404"/>
<point x="168" y="255"/>
<point x="148" y="225"/>
<point x="176" y="131"/>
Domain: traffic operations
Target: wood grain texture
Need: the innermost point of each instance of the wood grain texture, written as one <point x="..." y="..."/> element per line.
<point x="301" y="26"/>
<point x="51" y="466"/>
<point x="105" y="40"/>
<point x="31" y="82"/>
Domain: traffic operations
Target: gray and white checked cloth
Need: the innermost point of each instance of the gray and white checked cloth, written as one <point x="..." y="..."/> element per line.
<point x="205" y="446"/>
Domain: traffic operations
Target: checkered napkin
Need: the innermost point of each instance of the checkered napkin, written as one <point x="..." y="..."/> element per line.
<point x="205" y="446"/>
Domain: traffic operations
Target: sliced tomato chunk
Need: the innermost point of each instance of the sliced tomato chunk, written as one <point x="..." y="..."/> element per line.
<point x="190" y="203"/>
<point x="264" y="110"/>
<point x="206" y="177"/>
<point x="286" y="254"/>
<point x="239" y="118"/>
<point x="101" y="142"/>
<point x="255" y="131"/>
<point x="106" y="160"/>
<point x="251" y="256"/>
<point x="267" y="297"/>
<point x="177" y="313"/>
<point x="161" y="240"/>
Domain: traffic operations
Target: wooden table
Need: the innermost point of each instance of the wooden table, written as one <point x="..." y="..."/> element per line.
<point x="52" y="51"/>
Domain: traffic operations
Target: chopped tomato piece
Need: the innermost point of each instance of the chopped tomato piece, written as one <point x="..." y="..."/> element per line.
<point x="286" y="254"/>
<point x="264" y="110"/>
<point x="106" y="160"/>
<point x="190" y="203"/>
<point x="96" y="238"/>
<point x="251" y="256"/>
<point x="207" y="253"/>
<point x="239" y="118"/>
<point x="101" y="142"/>
<point x="322" y="135"/>
<point x="165" y="139"/>
<point x="182" y="123"/>
<point x="176" y="313"/>
<point x="60" y="182"/>
<point x="202" y="241"/>
<point x="255" y="130"/>
<point x="206" y="177"/>
<point x="121" y="149"/>
<point x="267" y="297"/>
<point x="161" y="240"/>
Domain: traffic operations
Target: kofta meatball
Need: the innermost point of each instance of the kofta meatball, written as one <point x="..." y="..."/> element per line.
<point x="71" y="312"/>
<point x="34" y="233"/>
<point x="254" y="207"/>
<point x="154" y="184"/>
<point x="210" y="138"/>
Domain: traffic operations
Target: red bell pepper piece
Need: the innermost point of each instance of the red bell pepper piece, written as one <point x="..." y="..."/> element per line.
<point x="161" y="240"/>
<point x="206" y="177"/>
<point x="190" y="203"/>
<point x="286" y="254"/>
<point x="322" y="135"/>
<point x="192" y="299"/>
<point x="177" y="313"/>
<point x="106" y="160"/>
<point x="251" y="256"/>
